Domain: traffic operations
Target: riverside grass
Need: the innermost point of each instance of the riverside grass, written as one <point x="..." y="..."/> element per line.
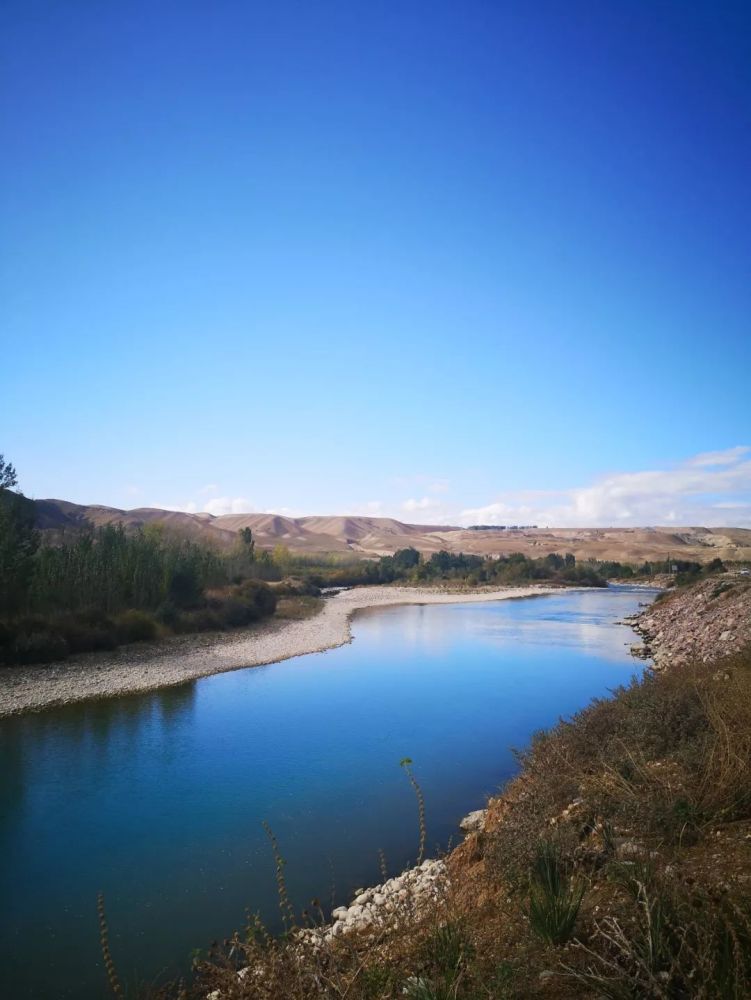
<point x="642" y="800"/>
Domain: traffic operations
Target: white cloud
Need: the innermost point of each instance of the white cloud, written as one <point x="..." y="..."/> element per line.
<point x="691" y="493"/>
<point x="216" y="506"/>
<point x="228" y="505"/>
<point x="712" y="489"/>
<point x="425" y="503"/>
<point x="727" y="457"/>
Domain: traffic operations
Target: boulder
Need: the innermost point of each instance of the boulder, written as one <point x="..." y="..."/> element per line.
<point x="474" y="822"/>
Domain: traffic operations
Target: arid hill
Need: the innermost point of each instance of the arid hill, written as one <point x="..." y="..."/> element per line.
<point x="368" y="536"/>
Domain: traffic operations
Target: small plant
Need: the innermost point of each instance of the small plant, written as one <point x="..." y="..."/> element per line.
<point x="375" y="980"/>
<point x="447" y="949"/>
<point x="406" y="763"/>
<point x="675" y="946"/>
<point x="553" y="902"/>
<point x="502" y="981"/>
<point x="104" y="943"/>
<point x="285" y="905"/>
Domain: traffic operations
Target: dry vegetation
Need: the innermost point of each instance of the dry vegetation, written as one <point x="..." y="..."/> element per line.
<point x="617" y="865"/>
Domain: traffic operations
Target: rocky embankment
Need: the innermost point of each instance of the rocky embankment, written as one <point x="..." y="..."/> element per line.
<point x="409" y="892"/>
<point x="700" y="622"/>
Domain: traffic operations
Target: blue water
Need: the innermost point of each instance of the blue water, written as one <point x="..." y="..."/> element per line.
<point x="157" y="800"/>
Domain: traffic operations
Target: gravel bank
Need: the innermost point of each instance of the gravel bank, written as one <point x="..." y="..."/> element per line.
<point x="144" y="668"/>
<point x="700" y="622"/>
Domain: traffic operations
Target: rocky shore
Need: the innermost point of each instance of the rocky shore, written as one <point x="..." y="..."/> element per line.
<point x="145" y="668"/>
<point x="408" y="892"/>
<point x="703" y="621"/>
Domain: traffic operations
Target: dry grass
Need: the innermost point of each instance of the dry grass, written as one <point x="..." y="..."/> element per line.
<point x="297" y="608"/>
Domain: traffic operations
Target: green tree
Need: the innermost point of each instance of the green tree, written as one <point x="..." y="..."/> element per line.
<point x="18" y="542"/>
<point x="406" y="559"/>
<point x="248" y="542"/>
<point x="8" y="478"/>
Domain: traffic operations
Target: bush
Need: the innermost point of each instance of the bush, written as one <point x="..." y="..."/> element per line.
<point x="676" y="942"/>
<point x="39" y="647"/>
<point x="199" y="620"/>
<point x="135" y="626"/>
<point x="168" y="614"/>
<point x="7" y="638"/>
<point x="87" y="633"/>
<point x="553" y="902"/>
<point x="234" y="612"/>
<point x="262" y="596"/>
<point x="296" y="588"/>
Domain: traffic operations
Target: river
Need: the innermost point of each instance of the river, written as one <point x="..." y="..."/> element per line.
<point x="158" y="799"/>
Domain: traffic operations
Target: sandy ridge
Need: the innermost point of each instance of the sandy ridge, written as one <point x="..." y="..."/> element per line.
<point x="145" y="668"/>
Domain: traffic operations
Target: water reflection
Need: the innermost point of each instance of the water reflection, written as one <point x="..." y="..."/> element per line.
<point x="92" y="732"/>
<point x="158" y="799"/>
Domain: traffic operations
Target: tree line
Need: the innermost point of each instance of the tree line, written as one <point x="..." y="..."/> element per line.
<point x="106" y="586"/>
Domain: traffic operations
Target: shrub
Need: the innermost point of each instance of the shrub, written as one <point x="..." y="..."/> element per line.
<point x="87" y="633"/>
<point x="167" y="613"/>
<point x="553" y="902"/>
<point x="7" y="638"/>
<point x="199" y="620"/>
<point x="262" y="596"/>
<point x="676" y="943"/>
<point x="234" y="612"/>
<point x="296" y="588"/>
<point x="135" y="626"/>
<point x="39" y="647"/>
<point x="185" y="587"/>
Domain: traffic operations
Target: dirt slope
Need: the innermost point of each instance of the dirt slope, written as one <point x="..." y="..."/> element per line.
<point x="383" y="535"/>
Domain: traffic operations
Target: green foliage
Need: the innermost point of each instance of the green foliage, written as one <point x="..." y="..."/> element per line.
<point x="40" y="647"/>
<point x="447" y="949"/>
<point x="18" y="545"/>
<point x="135" y="626"/>
<point x="456" y="567"/>
<point x="8" y="477"/>
<point x="110" y="570"/>
<point x="109" y="586"/>
<point x="553" y="902"/>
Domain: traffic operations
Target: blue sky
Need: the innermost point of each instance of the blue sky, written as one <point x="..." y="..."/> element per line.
<point x="446" y="261"/>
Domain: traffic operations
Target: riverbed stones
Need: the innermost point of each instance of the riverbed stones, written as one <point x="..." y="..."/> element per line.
<point x="700" y="622"/>
<point x="408" y="893"/>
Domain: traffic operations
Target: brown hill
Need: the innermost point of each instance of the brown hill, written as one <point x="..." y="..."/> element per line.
<point x="383" y="535"/>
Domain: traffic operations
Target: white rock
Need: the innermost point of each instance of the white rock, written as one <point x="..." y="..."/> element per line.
<point x="474" y="821"/>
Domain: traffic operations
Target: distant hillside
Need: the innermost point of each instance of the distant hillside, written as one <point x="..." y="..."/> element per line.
<point x="384" y="535"/>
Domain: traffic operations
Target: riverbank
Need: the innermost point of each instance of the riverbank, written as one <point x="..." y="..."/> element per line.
<point x="615" y="864"/>
<point x="131" y="669"/>
<point x="697" y="623"/>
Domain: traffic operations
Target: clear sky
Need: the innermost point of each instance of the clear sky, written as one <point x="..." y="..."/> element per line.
<point x="468" y="261"/>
